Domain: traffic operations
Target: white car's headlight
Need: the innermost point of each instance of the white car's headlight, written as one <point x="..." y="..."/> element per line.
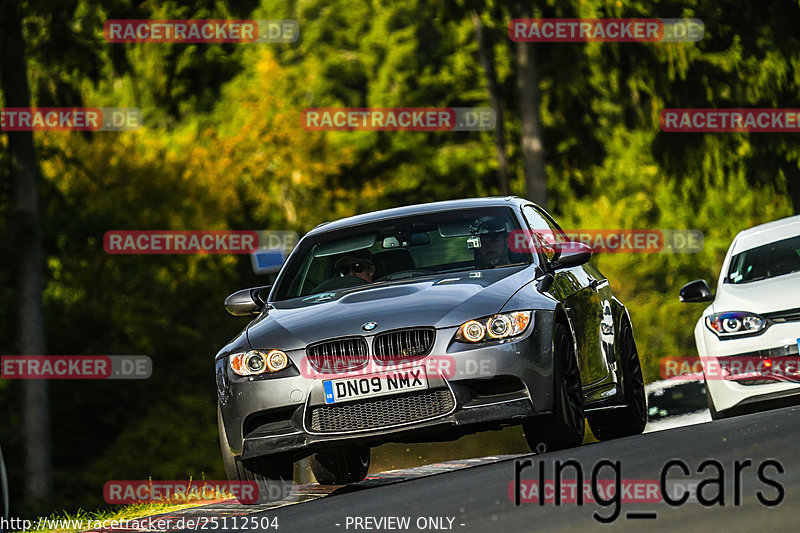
<point x="257" y="362"/>
<point x="735" y="324"/>
<point x="495" y="327"/>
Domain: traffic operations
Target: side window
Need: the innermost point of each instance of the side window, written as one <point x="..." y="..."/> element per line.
<point x="544" y="231"/>
<point x="552" y="223"/>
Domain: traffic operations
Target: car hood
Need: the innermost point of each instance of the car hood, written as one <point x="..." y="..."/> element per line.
<point x="764" y="296"/>
<point x="441" y="301"/>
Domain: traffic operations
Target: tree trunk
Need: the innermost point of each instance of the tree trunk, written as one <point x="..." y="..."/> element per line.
<point x="532" y="145"/>
<point x="486" y="56"/>
<point x="26" y="240"/>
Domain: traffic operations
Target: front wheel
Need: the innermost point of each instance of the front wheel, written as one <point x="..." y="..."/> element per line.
<point x="271" y="480"/>
<point x="341" y="466"/>
<point x="632" y="417"/>
<point x="565" y="427"/>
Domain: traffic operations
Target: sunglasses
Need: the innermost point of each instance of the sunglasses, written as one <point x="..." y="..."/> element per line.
<point x="358" y="268"/>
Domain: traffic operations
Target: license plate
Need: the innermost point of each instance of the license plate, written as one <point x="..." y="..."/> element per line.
<point x="360" y="387"/>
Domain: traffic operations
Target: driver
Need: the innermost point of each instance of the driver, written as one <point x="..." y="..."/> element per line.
<point x="494" y="242"/>
<point x="358" y="264"/>
<point x="351" y="270"/>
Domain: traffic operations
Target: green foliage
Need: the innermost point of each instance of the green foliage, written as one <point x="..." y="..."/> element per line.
<point x="223" y="148"/>
<point x="150" y="447"/>
<point x="639" y="194"/>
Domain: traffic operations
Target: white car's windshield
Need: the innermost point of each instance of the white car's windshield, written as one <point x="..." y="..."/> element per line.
<point x="767" y="261"/>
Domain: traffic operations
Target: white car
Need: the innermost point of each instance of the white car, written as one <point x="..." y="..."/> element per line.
<point x="748" y="336"/>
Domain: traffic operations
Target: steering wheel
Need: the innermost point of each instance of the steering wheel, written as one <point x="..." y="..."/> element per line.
<point x="403" y="274"/>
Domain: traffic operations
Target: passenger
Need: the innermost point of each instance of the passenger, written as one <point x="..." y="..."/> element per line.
<point x="494" y="242"/>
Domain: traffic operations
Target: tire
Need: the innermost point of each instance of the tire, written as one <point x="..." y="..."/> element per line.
<point x="273" y="478"/>
<point x="631" y="419"/>
<point x="341" y="466"/>
<point x="565" y="427"/>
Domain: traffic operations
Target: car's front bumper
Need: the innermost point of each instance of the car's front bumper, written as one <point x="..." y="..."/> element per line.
<point x="744" y="390"/>
<point x="489" y="385"/>
<point x="297" y="442"/>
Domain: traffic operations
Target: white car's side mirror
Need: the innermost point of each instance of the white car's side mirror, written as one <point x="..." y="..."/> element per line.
<point x="696" y="291"/>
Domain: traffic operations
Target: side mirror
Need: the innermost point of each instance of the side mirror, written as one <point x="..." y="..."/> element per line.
<point x="570" y="254"/>
<point x="696" y="291"/>
<point x="247" y="301"/>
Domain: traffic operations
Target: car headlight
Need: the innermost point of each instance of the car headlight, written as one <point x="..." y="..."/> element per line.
<point x="495" y="327"/>
<point x="257" y="362"/>
<point x="735" y="324"/>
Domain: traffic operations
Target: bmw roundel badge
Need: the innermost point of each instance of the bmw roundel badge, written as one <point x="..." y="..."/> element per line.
<point x="369" y="326"/>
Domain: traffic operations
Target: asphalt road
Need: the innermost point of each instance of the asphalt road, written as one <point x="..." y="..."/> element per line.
<point x="477" y="495"/>
<point x="478" y="499"/>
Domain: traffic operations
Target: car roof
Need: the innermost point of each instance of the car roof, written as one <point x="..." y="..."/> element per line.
<point x="766" y="233"/>
<point x="417" y="209"/>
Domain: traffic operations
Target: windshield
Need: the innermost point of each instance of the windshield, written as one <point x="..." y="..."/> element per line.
<point x="767" y="261"/>
<point x="397" y="249"/>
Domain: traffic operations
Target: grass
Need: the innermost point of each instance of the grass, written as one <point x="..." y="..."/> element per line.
<point x="129" y="512"/>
